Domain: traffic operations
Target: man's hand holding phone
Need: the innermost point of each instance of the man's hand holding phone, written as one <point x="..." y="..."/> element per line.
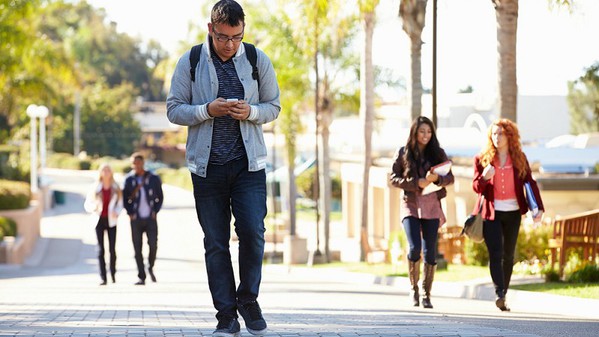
<point x="233" y="107"/>
<point x="239" y="109"/>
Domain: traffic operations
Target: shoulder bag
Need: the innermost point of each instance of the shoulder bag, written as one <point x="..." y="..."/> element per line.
<point x="473" y="226"/>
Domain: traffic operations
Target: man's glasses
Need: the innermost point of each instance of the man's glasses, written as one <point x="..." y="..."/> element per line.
<point x="224" y="38"/>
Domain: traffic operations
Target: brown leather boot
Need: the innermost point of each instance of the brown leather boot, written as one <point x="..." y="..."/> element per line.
<point x="414" y="274"/>
<point x="427" y="284"/>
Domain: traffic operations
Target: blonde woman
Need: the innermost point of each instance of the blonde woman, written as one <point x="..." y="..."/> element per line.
<point x="500" y="172"/>
<point x="105" y="202"/>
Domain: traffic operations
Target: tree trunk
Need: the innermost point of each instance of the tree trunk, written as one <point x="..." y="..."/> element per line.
<point x="292" y="191"/>
<point x="416" y="77"/>
<point x="413" y="13"/>
<point x="325" y="178"/>
<point x="367" y="114"/>
<point x="507" y="26"/>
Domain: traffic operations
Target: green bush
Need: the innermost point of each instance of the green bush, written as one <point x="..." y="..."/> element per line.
<point x="587" y="273"/>
<point x="305" y="184"/>
<point x="14" y="194"/>
<point x="533" y="243"/>
<point x="85" y="164"/>
<point x="177" y="177"/>
<point x="8" y="227"/>
<point x="476" y="253"/>
<point x="12" y="165"/>
<point x="551" y="275"/>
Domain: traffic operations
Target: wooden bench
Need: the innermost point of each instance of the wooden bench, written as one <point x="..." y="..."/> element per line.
<point x="580" y="230"/>
<point x="451" y="244"/>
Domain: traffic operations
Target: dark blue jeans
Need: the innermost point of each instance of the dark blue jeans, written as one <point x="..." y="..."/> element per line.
<point x="150" y="227"/>
<point x="501" y="236"/>
<point x="227" y="190"/>
<point x="422" y="233"/>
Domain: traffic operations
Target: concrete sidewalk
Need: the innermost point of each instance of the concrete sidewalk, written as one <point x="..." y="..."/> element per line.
<point x="57" y="293"/>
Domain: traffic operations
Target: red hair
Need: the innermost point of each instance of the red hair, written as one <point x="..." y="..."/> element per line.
<point x="510" y="131"/>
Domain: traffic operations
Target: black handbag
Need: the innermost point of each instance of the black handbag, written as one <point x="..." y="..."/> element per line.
<point x="473" y="226"/>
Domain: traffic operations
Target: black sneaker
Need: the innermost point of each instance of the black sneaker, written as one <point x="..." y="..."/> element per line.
<point x="227" y="327"/>
<point x="252" y="315"/>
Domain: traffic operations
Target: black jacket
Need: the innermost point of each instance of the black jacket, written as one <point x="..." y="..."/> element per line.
<point x="152" y="187"/>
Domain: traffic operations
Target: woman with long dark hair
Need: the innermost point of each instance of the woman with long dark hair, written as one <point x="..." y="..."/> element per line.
<point x="421" y="212"/>
<point x="500" y="172"/>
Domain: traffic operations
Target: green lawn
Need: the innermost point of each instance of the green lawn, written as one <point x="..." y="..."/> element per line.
<point x="582" y="290"/>
<point x="455" y="273"/>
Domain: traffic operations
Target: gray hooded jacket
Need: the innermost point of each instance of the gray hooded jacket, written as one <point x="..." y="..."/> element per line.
<point x="187" y="101"/>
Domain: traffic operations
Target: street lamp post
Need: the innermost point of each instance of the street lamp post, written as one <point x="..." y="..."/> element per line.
<point x="35" y="111"/>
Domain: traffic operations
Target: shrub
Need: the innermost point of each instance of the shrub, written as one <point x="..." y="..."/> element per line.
<point x="588" y="273"/>
<point x="177" y="177"/>
<point x="305" y="184"/>
<point x="533" y="243"/>
<point x="476" y="253"/>
<point x="85" y="164"/>
<point x="12" y="165"/>
<point x="8" y="227"/>
<point x="551" y="275"/>
<point x="14" y="194"/>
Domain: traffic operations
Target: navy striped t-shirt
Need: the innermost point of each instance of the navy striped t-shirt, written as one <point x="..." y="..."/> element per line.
<point x="227" y="143"/>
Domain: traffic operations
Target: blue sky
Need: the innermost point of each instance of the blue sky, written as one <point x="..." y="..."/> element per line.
<point x="554" y="46"/>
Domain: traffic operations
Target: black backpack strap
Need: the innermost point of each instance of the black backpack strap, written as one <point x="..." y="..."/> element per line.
<point x="194" y="58"/>
<point x="252" y="56"/>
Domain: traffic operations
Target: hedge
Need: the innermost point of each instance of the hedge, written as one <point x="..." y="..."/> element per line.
<point x="14" y="194"/>
<point x="8" y="227"/>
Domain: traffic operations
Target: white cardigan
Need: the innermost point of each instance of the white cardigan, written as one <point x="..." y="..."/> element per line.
<point x="93" y="203"/>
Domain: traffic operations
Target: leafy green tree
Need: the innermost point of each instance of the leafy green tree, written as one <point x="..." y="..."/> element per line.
<point x="275" y="33"/>
<point x="108" y="127"/>
<point x="33" y="68"/>
<point x="583" y="100"/>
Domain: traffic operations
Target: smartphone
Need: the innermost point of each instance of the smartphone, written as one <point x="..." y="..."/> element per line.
<point x="232" y="100"/>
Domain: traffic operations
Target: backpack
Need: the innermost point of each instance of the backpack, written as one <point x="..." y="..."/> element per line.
<point x="250" y="53"/>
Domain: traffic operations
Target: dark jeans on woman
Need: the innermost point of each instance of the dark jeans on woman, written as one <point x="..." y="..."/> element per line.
<point x="500" y="236"/>
<point x="100" y="228"/>
<point x="422" y="233"/>
<point x="138" y="228"/>
<point x="226" y="189"/>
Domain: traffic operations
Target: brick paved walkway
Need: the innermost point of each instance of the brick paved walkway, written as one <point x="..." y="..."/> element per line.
<point x="57" y="292"/>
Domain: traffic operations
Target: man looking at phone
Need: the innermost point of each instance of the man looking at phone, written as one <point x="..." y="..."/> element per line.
<point x="224" y="109"/>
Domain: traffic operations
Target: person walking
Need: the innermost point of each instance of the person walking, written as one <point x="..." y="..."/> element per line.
<point x="420" y="207"/>
<point x="142" y="196"/>
<point x="105" y="202"/>
<point x="500" y="172"/>
<point x="224" y="107"/>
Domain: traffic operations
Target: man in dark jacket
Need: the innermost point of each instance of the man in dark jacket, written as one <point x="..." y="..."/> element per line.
<point x="143" y="198"/>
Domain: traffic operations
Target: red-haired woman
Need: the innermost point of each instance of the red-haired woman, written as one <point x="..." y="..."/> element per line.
<point x="421" y="212"/>
<point x="500" y="171"/>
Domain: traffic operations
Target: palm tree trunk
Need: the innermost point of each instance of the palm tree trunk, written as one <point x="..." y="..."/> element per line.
<point x="506" y="12"/>
<point x="366" y="112"/>
<point x="416" y="76"/>
<point x="413" y="13"/>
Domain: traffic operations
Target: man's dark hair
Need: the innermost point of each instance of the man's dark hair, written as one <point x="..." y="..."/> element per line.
<point x="227" y="12"/>
<point x="137" y="155"/>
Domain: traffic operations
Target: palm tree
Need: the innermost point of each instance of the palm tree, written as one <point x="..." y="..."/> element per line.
<point x="367" y="11"/>
<point x="506" y="12"/>
<point x="277" y="34"/>
<point x="412" y="13"/>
